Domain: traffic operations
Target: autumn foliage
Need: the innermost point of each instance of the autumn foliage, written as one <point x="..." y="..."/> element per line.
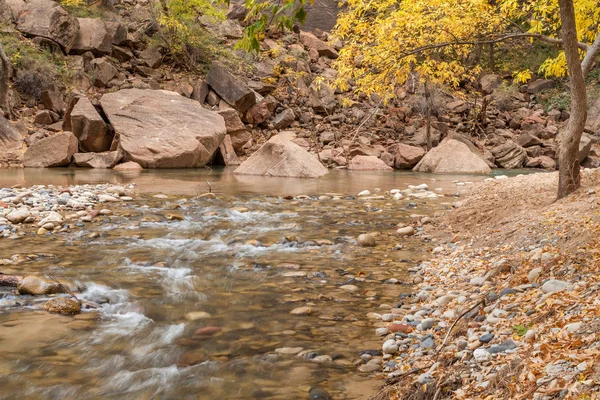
<point x="387" y="42"/>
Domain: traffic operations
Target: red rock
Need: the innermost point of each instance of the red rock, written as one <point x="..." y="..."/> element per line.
<point x="402" y="328"/>
<point x="208" y="331"/>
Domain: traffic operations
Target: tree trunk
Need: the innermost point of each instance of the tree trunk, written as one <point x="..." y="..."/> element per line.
<point x="4" y="76"/>
<point x="428" y="114"/>
<point x="569" y="178"/>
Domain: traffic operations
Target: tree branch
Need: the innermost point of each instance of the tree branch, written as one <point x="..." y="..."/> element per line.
<point x="590" y="56"/>
<point x="581" y="45"/>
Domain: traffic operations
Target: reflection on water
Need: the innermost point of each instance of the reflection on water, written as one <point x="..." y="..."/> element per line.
<point x="223" y="181"/>
<point x="196" y="308"/>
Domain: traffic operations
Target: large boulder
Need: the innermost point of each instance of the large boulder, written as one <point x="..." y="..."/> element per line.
<point x="93" y="36"/>
<point x="47" y="19"/>
<point x="539" y="85"/>
<point x="490" y="82"/>
<point x="321" y="98"/>
<point x="236" y="129"/>
<point x="452" y="156"/>
<point x="226" y="153"/>
<point x="101" y="71"/>
<point x="10" y="138"/>
<point x="509" y="155"/>
<point x="53" y="151"/>
<point x="312" y="42"/>
<point x="107" y="159"/>
<point x="368" y="163"/>
<point x="593" y="118"/>
<point x="406" y="156"/>
<point x="10" y="10"/>
<point x="281" y="157"/>
<point x="89" y="127"/>
<point x="231" y="89"/>
<point x="162" y="129"/>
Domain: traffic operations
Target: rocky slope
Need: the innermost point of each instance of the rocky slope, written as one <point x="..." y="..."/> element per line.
<point x="288" y="89"/>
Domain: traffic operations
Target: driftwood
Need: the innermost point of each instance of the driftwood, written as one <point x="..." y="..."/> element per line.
<point x="65" y="288"/>
<point x="10" y="280"/>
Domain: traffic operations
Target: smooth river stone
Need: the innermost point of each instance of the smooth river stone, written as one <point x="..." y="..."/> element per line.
<point x="194" y="315"/>
<point x="302" y="311"/>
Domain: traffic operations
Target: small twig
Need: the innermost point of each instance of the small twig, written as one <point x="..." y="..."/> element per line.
<point x="64" y="287"/>
<point x="209" y="187"/>
<point x="347" y="148"/>
<point x="437" y="354"/>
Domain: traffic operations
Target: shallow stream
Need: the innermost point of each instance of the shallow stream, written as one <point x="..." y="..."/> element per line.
<point x="195" y="295"/>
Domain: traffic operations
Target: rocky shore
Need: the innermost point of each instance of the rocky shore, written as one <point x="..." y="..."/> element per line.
<point x="507" y="305"/>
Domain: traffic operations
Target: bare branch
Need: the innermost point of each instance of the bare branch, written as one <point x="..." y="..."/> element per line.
<point x="590" y="56"/>
<point x="581" y="45"/>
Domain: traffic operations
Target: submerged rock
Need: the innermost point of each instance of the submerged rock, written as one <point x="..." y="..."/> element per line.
<point x="36" y="286"/>
<point x="63" y="305"/>
<point x="366" y="240"/>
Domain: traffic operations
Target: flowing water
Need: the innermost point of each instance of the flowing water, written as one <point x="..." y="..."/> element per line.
<point x="196" y="308"/>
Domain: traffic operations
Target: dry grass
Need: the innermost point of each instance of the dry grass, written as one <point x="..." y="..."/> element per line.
<point x="504" y="379"/>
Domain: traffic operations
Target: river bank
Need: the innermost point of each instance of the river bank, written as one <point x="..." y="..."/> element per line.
<point x="507" y="306"/>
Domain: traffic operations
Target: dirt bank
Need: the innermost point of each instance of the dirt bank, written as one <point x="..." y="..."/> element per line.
<point x="508" y="305"/>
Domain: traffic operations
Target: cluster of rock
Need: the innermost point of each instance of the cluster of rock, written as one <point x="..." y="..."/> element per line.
<point x="226" y="116"/>
<point x="480" y="313"/>
<point x="47" y="209"/>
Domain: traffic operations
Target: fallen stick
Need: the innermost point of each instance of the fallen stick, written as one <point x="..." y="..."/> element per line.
<point x="10" y="280"/>
<point x="65" y="288"/>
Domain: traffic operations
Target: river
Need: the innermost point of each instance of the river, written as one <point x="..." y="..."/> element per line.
<point x="195" y="294"/>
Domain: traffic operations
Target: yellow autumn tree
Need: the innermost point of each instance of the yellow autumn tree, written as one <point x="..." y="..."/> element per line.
<point x="390" y="41"/>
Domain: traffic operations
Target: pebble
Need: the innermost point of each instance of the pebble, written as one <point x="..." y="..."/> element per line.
<point x="478" y="281"/>
<point x="426" y="324"/>
<point x="481" y="355"/>
<point x="573" y="327"/>
<point x="486" y="338"/>
<point x="534" y="275"/>
<point x="389" y="347"/>
<point x="289" y="350"/>
<point x="322" y="359"/>
<point x="105" y="198"/>
<point x="208" y="331"/>
<point x="18" y="216"/>
<point x="364" y="193"/>
<point x="366" y="240"/>
<point x="554" y="285"/>
<point x="381" y="331"/>
<point x="48" y="226"/>
<point x="195" y="315"/>
<point x="368" y="367"/>
<point x="507" y="345"/>
<point x="350" y="288"/>
<point x="428" y="343"/>
<point x="406" y="231"/>
<point x="302" y="311"/>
